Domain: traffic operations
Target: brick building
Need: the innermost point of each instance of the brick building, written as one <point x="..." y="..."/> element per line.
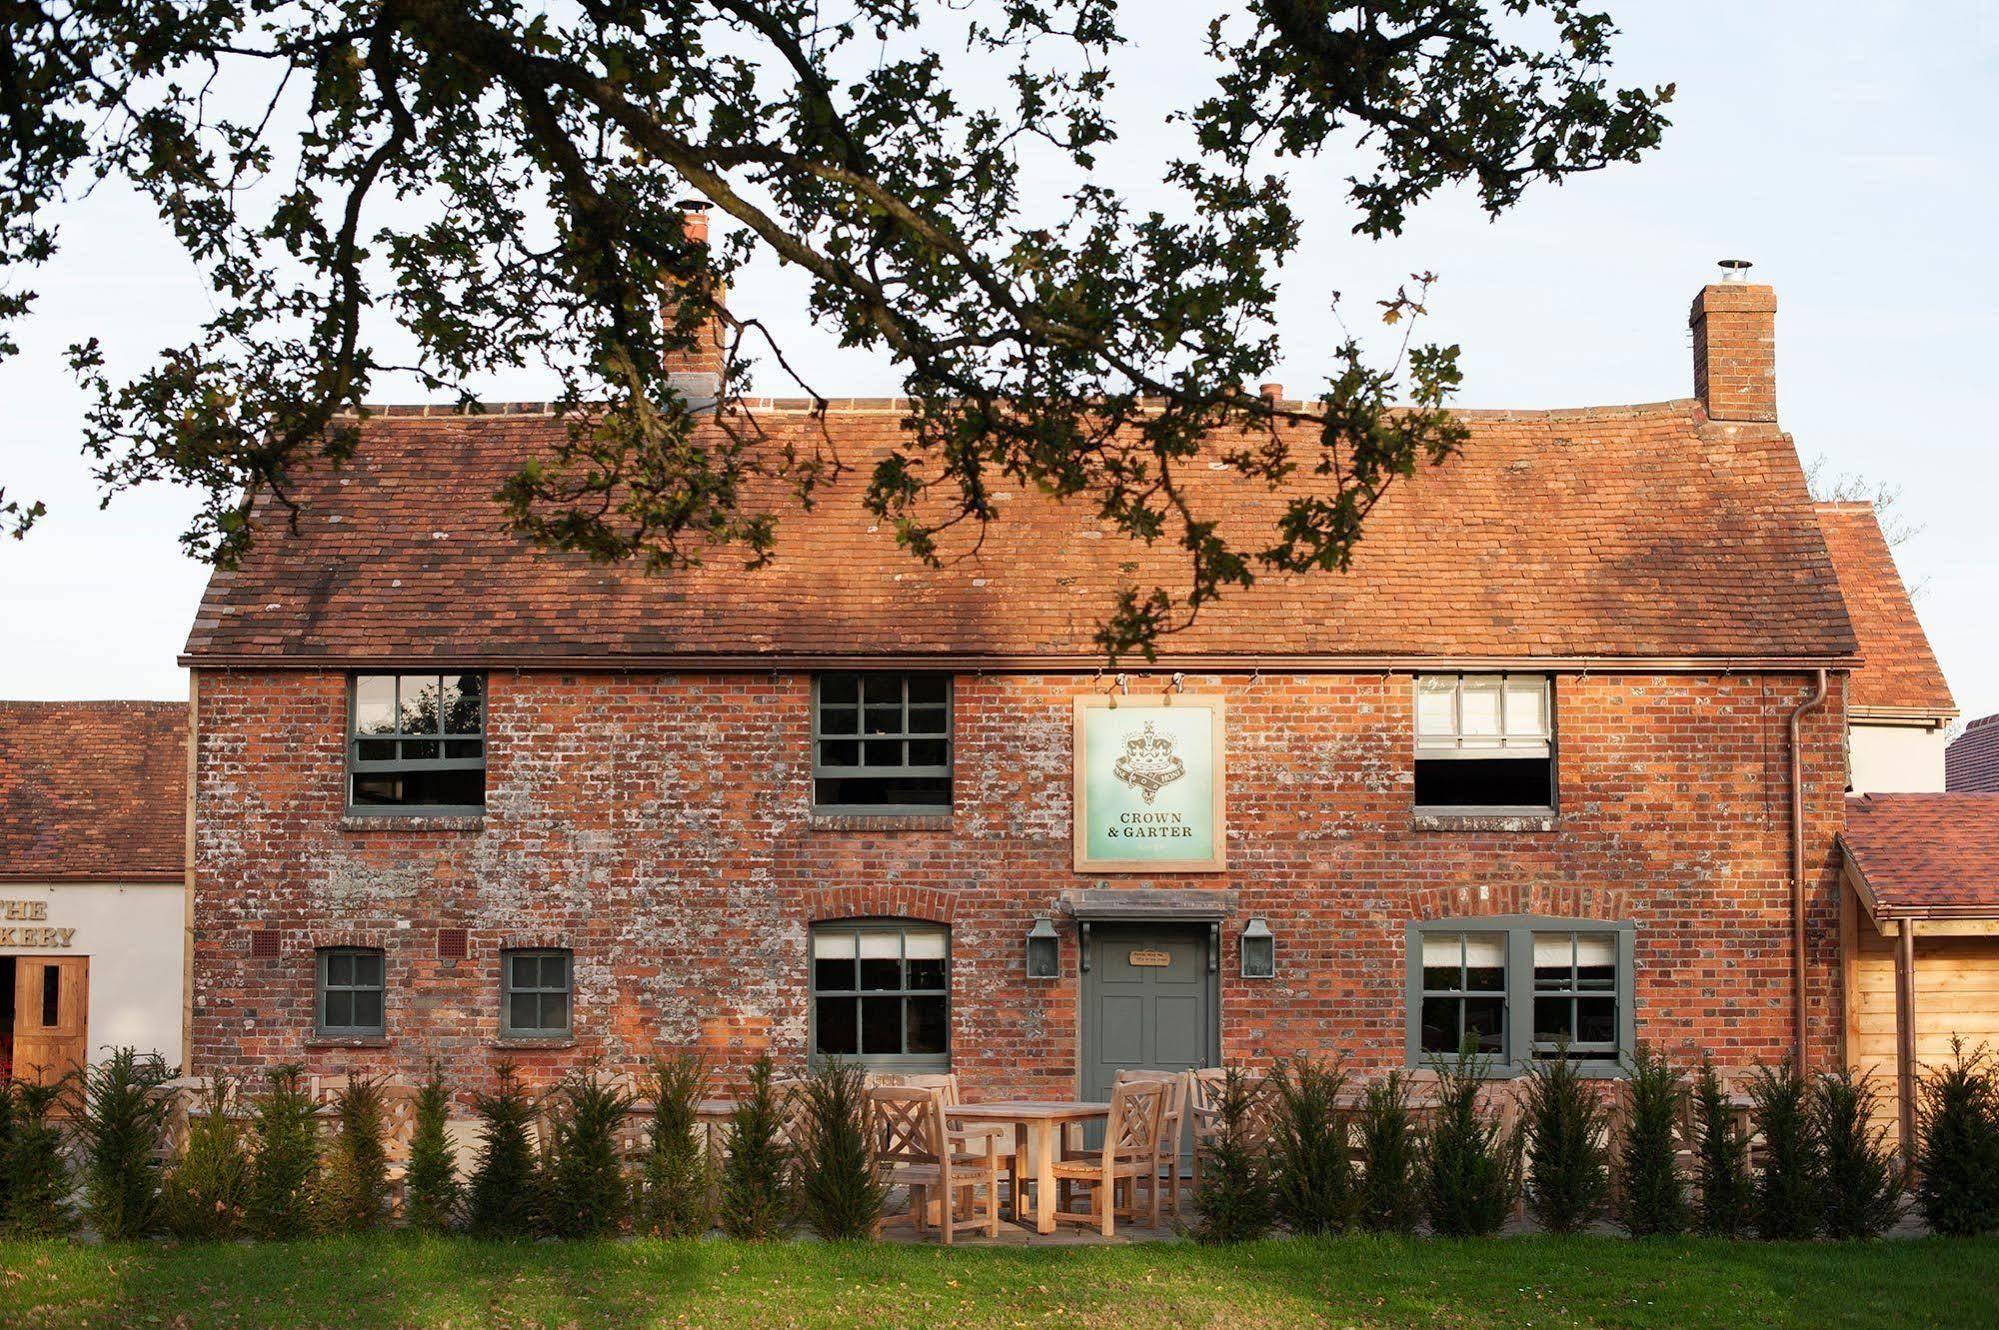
<point x="1560" y="759"/>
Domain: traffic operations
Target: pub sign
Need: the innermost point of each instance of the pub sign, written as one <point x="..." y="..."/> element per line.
<point x="1149" y="784"/>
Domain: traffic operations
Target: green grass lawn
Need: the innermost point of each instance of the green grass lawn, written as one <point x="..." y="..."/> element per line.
<point x="1347" y="1282"/>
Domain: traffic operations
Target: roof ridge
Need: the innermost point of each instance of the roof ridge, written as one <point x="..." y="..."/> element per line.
<point x="848" y="405"/>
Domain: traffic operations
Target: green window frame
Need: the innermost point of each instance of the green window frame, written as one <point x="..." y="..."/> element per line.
<point x="1519" y="997"/>
<point x="350" y="998"/>
<point x="882" y="743"/>
<point x="880" y="994"/>
<point x="537" y="993"/>
<point x="416" y="743"/>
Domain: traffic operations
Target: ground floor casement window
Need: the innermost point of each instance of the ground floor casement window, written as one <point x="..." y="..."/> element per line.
<point x="350" y="992"/>
<point x="1520" y="989"/>
<point x="881" y="994"/>
<point x="535" y="1002"/>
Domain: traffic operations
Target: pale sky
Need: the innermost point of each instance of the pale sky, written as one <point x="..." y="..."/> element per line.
<point x="1845" y="148"/>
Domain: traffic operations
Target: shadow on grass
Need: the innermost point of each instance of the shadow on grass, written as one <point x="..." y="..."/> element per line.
<point x="401" y="1280"/>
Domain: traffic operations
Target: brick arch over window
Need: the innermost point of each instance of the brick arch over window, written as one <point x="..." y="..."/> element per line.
<point x="319" y="940"/>
<point x="881" y="901"/>
<point x="1554" y="899"/>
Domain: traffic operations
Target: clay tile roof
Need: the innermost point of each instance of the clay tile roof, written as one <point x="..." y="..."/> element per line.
<point x="1926" y="854"/>
<point x="1639" y="531"/>
<point x="1900" y="671"/>
<point x="92" y="791"/>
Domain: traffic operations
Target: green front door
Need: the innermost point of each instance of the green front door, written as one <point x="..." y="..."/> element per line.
<point x="1148" y="1001"/>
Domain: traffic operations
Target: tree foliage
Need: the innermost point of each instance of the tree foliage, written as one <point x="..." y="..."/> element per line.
<point x="1651" y="1194"/>
<point x="503" y="183"/>
<point x="284" y="1170"/>
<point x="123" y="1115"/>
<point x="432" y="1188"/>
<point x="1957" y="1166"/>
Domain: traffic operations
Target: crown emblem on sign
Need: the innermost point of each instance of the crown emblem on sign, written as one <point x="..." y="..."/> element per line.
<point x="1148" y="764"/>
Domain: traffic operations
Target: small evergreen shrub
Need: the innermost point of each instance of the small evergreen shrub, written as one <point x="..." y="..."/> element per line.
<point x="1787" y="1190"/>
<point x="1721" y="1160"/>
<point x="586" y="1194"/>
<point x="205" y="1190"/>
<point x="355" y="1187"/>
<point x="1651" y="1195"/>
<point x="1471" y="1161"/>
<point x="38" y="1183"/>
<point x="1957" y="1163"/>
<point x="1860" y="1182"/>
<point x="842" y="1189"/>
<point x="673" y="1191"/>
<point x="756" y="1177"/>
<point x="123" y="1116"/>
<point x="284" y="1162"/>
<point x="1236" y="1200"/>
<point x="501" y="1199"/>
<point x="1312" y="1166"/>
<point x="1389" y="1195"/>
<point x="431" y="1189"/>
<point x="1566" y="1124"/>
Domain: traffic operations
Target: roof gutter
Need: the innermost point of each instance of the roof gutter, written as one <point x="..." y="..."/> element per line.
<point x="1801" y="1055"/>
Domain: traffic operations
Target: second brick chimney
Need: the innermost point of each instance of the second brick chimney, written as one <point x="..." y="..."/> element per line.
<point x="696" y="371"/>
<point x="1735" y="351"/>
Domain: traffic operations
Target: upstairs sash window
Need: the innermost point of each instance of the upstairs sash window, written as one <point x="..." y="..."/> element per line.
<point x="881" y="743"/>
<point x="1485" y="741"/>
<point x="417" y="743"/>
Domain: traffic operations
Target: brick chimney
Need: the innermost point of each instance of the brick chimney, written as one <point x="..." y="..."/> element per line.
<point x="1735" y="350"/>
<point x="696" y="371"/>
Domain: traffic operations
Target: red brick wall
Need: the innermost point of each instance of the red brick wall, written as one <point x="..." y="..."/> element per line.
<point x="658" y="825"/>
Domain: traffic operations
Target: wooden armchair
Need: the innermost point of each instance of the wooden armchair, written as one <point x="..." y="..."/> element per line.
<point x="965" y="1139"/>
<point x="1172" y="1128"/>
<point x="1130" y="1152"/>
<point x="909" y="1140"/>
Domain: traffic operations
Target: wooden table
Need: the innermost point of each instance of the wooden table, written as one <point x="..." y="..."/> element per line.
<point x="1036" y="1124"/>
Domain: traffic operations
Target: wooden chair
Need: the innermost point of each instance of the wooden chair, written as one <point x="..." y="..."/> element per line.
<point x="1172" y="1122"/>
<point x="1204" y="1087"/>
<point x="909" y="1140"/>
<point x="1130" y="1151"/>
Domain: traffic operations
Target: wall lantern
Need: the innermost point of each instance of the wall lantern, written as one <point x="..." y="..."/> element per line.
<point x="1259" y="950"/>
<point x="1043" y="950"/>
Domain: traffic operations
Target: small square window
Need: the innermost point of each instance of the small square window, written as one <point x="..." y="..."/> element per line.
<point x="417" y="743"/>
<point x="351" y="992"/>
<point x="536" y="1000"/>
<point x="1484" y="741"/>
<point x="881" y="742"/>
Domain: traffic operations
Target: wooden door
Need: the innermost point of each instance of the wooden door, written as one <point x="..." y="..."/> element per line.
<point x="50" y="998"/>
<point x="1149" y="1001"/>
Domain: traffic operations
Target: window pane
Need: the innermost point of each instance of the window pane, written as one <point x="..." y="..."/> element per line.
<point x="928" y="753"/>
<point x="521" y="1011"/>
<point x="929" y="689"/>
<point x="839" y="688"/>
<point x="882" y="753"/>
<point x="881" y="1025"/>
<point x="881" y="961"/>
<point x="459" y="748"/>
<point x="1554" y="960"/>
<point x="839" y="720"/>
<point x="833" y="960"/>
<point x="839" y="753"/>
<point x="929" y="720"/>
<point x="1440" y="1024"/>
<point x="340" y="968"/>
<point x="555" y="1011"/>
<point x="464" y="696"/>
<point x="1485" y="962"/>
<point x="524" y="970"/>
<point x="838" y="1028"/>
<point x="339" y="1009"/>
<point x="1485" y="1021"/>
<point x="1554" y="1020"/>
<point x="419" y="694"/>
<point x="555" y="971"/>
<point x="1596" y="961"/>
<point x="1526" y="711"/>
<point x="1436" y="703"/>
<point x="925" y="951"/>
<point x="1596" y="1020"/>
<point x="883" y="688"/>
<point x="883" y="720"/>
<point x="368" y="1009"/>
<point x="375" y="704"/>
<point x="1443" y="960"/>
<point x="376" y="750"/>
<point x="368" y="969"/>
<point x="926" y="1021"/>
<point x="419" y="750"/>
<point x="1478" y="707"/>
